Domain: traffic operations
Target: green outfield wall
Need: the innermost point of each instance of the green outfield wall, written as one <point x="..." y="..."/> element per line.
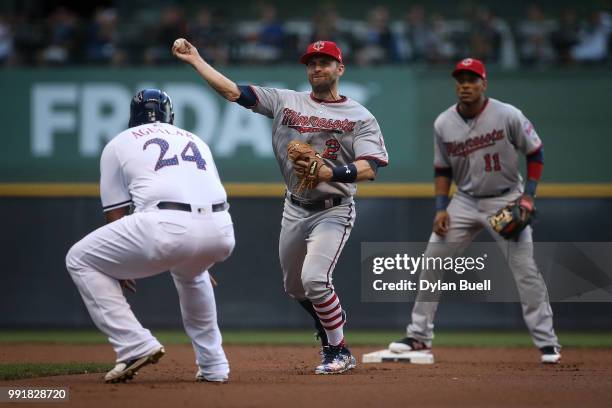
<point x="55" y="122"/>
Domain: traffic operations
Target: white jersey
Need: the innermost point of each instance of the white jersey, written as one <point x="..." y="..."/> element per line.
<point x="483" y="151"/>
<point x="342" y="131"/>
<point x="157" y="162"/>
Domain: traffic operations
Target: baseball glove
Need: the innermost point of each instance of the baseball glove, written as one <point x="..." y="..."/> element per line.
<point x="308" y="177"/>
<point x="511" y="220"/>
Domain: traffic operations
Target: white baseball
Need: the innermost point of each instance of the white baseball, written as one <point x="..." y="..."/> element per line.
<point x="180" y="45"/>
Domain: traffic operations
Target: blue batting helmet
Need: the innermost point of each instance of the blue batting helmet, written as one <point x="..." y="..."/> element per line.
<point x="151" y="105"/>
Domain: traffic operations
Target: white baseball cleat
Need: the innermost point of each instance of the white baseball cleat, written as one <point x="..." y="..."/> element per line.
<point x="219" y="378"/>
<point x="408" y="344"/>
<point x="550" y="355"/>
<point x="126" y="370"/>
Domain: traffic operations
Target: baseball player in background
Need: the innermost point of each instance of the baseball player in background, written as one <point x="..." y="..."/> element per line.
<point x="477" y="144"/>
<point x="180" y="224"/>
<point x="317" y="221"/>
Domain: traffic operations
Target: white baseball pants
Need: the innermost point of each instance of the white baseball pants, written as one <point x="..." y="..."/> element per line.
<point x="146" y="244"/>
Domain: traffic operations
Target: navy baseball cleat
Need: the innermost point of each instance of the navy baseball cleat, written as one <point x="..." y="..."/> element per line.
<point x="335" y="360"/>
<point x="321" y="336"/>
<point x="550" y="355"/>
<point x="126" y="370"/>
<point x="408" y="344"/>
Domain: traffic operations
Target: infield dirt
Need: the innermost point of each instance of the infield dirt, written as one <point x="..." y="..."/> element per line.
<point x="277" y="376"/>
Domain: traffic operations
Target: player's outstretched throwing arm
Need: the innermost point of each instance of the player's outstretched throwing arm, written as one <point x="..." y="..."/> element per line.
<point x="224" y="86"/>
<point x="308" y="165"/>
<point x="241" y="94"/>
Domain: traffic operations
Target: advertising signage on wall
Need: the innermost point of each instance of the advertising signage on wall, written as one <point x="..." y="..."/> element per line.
<point x="57" y="121"/>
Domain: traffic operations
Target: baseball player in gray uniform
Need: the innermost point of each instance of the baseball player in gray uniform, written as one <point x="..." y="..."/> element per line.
<point x="477" y="143"/>
<point x="180" y="224"/>
<point x="316" y="222"/>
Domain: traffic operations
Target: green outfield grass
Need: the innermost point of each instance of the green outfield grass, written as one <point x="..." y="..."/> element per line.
<point x="305" y="337"/>
<point x="16" y="371"/>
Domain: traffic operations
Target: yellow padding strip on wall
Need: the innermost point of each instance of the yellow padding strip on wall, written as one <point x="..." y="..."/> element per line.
<point x="382" y="190"/>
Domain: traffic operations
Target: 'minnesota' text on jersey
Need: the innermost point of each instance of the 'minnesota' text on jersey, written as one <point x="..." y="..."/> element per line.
<point x="483" y="151"/>
<point x="343" y="131"/>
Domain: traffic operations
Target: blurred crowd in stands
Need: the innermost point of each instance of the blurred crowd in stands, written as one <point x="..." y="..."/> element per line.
<point x="105" y="37"/>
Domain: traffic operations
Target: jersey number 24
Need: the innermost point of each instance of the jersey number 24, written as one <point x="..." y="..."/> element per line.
<point x="195" y="155"/>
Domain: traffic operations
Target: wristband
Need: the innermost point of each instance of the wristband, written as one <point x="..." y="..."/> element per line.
<point x="247" y="98"/>
<point x="344" y="174"/>
<point x="441" y="202"/>
<point x="530" y="187"/>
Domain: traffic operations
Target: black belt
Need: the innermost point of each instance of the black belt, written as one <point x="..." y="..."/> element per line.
<point x="501" y="193"/>
<point x="316" y="205"/>
<point x="169" y="205"/>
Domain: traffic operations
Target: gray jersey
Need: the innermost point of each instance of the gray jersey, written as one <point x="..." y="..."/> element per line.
<point x="342" y="131"/>
<point x="483" y="152"/>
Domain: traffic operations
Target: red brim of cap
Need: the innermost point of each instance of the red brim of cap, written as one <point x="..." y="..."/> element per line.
<point x="457" y="71"/>
<point x="304" y="58"/>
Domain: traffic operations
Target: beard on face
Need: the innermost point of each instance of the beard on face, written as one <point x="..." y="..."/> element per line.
<point x="321" y="86"/>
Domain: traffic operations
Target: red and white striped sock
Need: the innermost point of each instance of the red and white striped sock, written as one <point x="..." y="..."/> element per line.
<point x="332" y="319"/>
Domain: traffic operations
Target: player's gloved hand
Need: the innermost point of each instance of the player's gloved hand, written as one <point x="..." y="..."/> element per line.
<point x="525" y="203"/>
<point x="441" y="223"/>
<point x="307" y="164"/>
<point x="301" y="167"/>
<point x="185" y="51"/>
<point x="128" y="284"/>
<point x="511" y="220"/>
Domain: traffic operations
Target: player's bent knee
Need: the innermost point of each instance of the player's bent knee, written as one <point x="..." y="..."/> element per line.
<point x="223" y="251"/>
<point x="72" y="258"/>
<point x="516" y="261"/>
<point x="315" y="290"/>
<point x="228" y="247"/>
<point x="294" y="292"/>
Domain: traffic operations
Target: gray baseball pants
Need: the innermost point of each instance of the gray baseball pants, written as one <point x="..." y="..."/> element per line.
<point x="310" y="244"/>
<point x="468" y="216"/>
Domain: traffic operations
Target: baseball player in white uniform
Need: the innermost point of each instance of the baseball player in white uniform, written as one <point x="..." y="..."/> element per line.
<point x="477" y="144"/>
<point x="180" y="223"/>
<point x="316" y="222"/>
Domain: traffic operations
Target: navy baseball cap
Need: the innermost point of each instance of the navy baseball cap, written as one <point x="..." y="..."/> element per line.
<point x="472" y="65"/>
<point x="322" y="48"/>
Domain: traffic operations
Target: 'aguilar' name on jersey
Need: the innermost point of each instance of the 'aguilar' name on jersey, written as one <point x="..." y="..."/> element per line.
<point x="130" y="165"/>
<point x="483" y="151"/>
<point x="343" y="131"/>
